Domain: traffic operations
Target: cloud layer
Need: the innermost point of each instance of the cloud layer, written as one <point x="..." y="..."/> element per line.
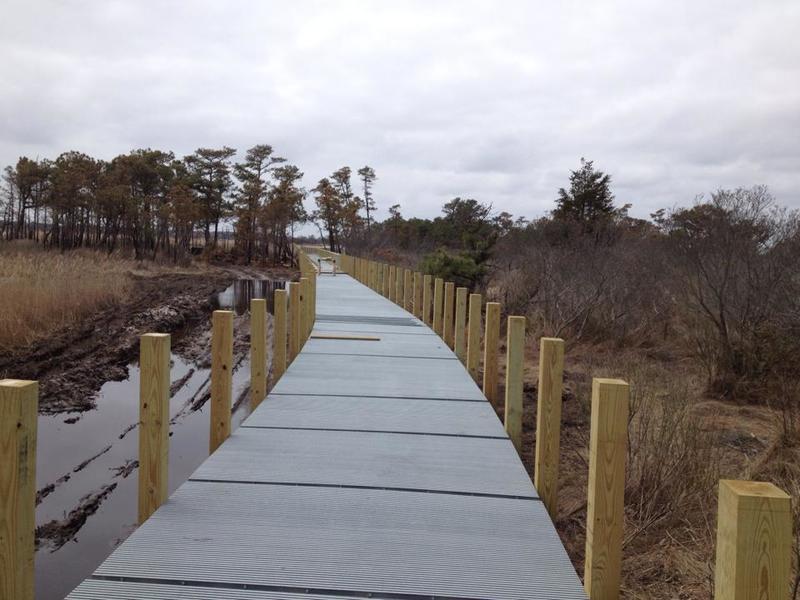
<point x="496" y="101"/>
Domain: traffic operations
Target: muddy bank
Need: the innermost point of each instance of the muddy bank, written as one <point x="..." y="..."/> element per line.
<point x="73" y="364"/>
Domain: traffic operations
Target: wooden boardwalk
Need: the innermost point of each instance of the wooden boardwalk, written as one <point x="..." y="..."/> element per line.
<point x="375" y="468"/>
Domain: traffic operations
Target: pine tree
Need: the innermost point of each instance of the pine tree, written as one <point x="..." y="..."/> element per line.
<point x="589" y="198"/>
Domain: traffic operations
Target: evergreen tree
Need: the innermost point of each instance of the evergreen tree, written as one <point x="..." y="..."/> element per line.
<point x="589" y="198"/>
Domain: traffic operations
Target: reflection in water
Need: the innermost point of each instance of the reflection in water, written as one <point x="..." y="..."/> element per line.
<point x="238" y="295"/>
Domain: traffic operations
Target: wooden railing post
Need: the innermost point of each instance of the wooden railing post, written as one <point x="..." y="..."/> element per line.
<point x="491" y="343"/>
<point x="438" y="305"/>
<point x="754" y="541"/>
<point x="154" y="383"/>
<point x="448" y="327"/>
<point x="460" y="334"/>
<point x="515" y="357"/>
<point x="398" y="286"/>
<point x="221" y="377"/>
<point x="294" y="320"/>
<point x="604" y="512"/>
<point x="427" y="298"/>
<point x="408" y="291"/>
<point x="474" y="335"/>
<point x="548" y="422"/>
<point x="19" y="405"/>
<point x="418" y="294"/>
<point x="391" y="283"/>
<point x="386" y="288"/>
<point x="279" y="334"/>
<point x="305" y="299"/>
<point x="258" y="351"/>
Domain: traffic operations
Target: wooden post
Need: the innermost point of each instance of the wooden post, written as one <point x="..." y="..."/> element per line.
<point x="408" y="291"/>
<point x="604" y="512"/>
<point x="221" y="377"/>
<point x="294" y="319"/>
<point x="474" y="335"/>
<point x="258" y="351"/>
<point x="305" y="314"/>
<point x="418" y="294"/>
<point x="279" y="337"/>
<point x="449" y="306"/>
<point x="398" y="286"/>
<point x="391" y="283"/>
<point x="515" y="359"/>
<point x="154" y="383"/>
<point x="491" y="342"/>
<point x="427" y="298"/>
<point x="385" y="287"/>
<point x="548" y="422"/>
<point x="754" y="541"/>
<point x="19" y="405"/>
<point x="438" y="305"/>
<point x="460" y="325"/>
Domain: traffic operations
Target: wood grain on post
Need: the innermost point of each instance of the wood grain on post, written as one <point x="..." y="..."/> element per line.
<point x="515" y="359"/>
<point x="548" y="422"/>
<point x="460" y="325"/>
<point x="754" y="541"/>
<point x="474" y="335"/>
<point x="391" y="283"/>
<point x="491" y="343"/>
<point x="279" y="335"/>
<point x="19" y="406"/>
<point x="448" y="314"/>
<point x="427" y="299"/>
<point x="604" y="512"/>
<point x="418" y="294"/>
<point x="438" y="305"/>
<point x="294" y="320"/>
<point x="221" y="377"/>
<point x="154" y="384"/>
<point x="258" y="351"/>
<point x="408" y="291"/>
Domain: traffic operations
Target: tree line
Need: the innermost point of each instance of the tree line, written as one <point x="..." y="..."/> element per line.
<point x="154" y="204"/>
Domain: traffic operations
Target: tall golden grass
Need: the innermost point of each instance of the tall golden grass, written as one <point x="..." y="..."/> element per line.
<point x="42" y="292"/>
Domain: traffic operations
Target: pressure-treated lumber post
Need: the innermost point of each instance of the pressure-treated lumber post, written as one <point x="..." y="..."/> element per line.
<point x="391" y="283"/>
<point x="398" y="286"/>
<point x="418" y="294"/>
<point x="548" y="422"/>
<point x="474" y="335"/>
<point x="221" y="377"/>
<point x="19" y="402"/>
<point x="607" y="450"/>
<point x="515" y="355"/>
<point x="438" y="305"/>
<point x="491" y="342"/>
<point x="449" y="306"/>
<point x="754" y="541"/>
<point x="460" y="325"/>
<point x="385" y="287"/>
<point x="258" y="351"/>
<point x="279" y="337"/>
<point x="294" y="319"/>
<point x="427" y="299"/>
<point x="408" y="290"/>
<point x="154" y="382"/>
<point x="305" y="314"/>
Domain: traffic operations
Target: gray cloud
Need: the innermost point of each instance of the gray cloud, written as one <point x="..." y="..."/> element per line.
<point x="496" y="101"/>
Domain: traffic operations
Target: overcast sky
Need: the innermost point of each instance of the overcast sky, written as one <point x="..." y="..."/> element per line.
<point x="491" y="100"/>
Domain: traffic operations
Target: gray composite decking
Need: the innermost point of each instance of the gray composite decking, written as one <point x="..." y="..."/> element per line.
<point x="373" y="469"/>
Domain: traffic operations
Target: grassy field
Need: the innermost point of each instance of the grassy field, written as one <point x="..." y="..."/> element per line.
<point x="44" y="291"/>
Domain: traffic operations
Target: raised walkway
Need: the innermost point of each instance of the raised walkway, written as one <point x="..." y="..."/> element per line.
<point x="375" y="468"/>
